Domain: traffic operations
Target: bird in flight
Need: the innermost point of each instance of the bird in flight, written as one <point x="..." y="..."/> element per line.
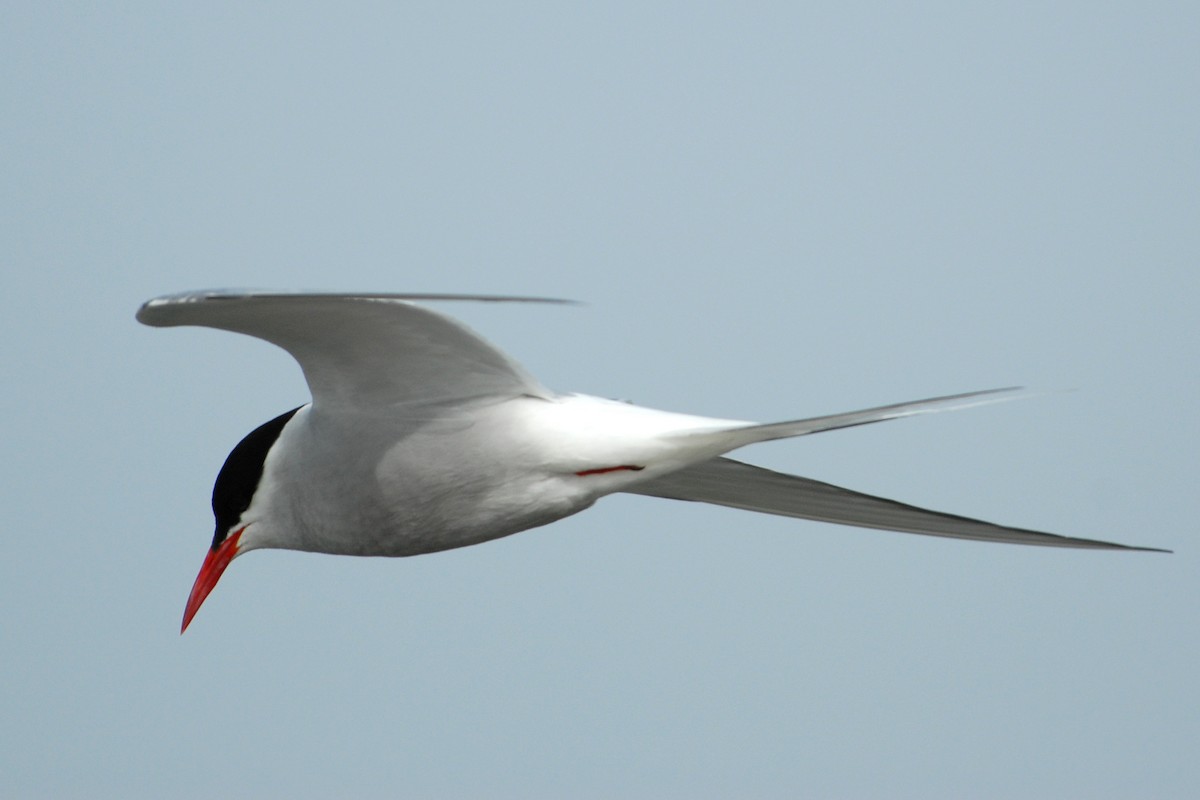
<point x="422" y="436"/>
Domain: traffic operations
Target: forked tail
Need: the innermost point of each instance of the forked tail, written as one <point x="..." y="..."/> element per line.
<point x="750" y="434"/>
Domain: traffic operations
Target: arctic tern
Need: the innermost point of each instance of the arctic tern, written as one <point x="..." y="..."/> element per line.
<point x="421" y="436"/>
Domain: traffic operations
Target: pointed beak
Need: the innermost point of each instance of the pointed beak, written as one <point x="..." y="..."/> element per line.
<point x="215" y="562"/>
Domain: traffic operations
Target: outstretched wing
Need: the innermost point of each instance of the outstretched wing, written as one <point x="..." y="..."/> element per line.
<point x="362" y="351"/>
<point x="726" y="482"/>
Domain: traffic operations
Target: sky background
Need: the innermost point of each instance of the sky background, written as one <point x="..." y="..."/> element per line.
<point x="770" y="211"/>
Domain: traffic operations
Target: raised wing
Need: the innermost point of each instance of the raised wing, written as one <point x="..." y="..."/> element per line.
<point x="726" y="482"/>
<point x="362" y="351"/>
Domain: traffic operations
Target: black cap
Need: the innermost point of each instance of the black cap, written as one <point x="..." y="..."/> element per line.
<point x="238" y="479"/>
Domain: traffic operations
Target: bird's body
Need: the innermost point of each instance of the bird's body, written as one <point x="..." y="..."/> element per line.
<point x="479" y="471"/>
<point x="423" y="437"/>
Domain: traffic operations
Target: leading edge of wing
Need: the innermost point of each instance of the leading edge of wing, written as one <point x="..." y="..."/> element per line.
<point x="726" y="482"/>
<point x="172" y="309"/>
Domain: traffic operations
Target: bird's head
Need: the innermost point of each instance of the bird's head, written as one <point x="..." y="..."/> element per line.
<point x="233" y="495"/>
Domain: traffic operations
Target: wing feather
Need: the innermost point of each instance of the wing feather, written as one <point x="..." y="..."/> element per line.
<point x="363" y="351"/>
<point x="726" y="482"/>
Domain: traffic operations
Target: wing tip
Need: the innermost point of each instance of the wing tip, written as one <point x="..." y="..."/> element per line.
<point x="1099" y="544"/>
<point x="156" y="311"/>
<point x="152" y="311"/>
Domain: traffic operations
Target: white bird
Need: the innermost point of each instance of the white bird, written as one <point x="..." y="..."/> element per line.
<point x="421" y="436"/>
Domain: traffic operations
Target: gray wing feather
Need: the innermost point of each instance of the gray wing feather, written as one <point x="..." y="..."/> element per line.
<point x="362" y="350"/>
<point x="726" y="482"/>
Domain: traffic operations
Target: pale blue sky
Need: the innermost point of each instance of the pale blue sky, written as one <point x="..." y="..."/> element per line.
<point x="770" y="211"/>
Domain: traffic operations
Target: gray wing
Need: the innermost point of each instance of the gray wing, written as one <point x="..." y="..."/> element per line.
<point x="364" y="351"/>
<point x="726" y="482"/>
